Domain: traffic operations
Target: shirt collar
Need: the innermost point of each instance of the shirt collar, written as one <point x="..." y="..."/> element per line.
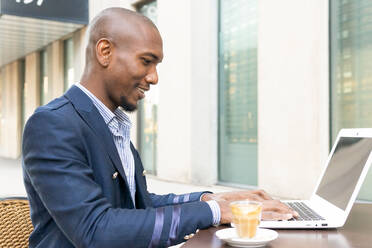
<point x="107" y="114"/>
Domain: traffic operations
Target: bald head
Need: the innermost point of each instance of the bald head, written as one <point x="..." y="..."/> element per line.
<point x="118" y="25"/>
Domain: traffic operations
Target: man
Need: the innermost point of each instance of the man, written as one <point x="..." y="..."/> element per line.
<point x="84" y="178"/>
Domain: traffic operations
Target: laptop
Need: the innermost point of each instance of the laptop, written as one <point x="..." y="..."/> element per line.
<point x="338" y="186"/>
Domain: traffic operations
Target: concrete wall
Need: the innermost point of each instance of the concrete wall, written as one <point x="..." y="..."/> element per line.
<point x="11" y="102"/>
<point x="55" y="53"/>
<point x="293" y="98"/>
<point x="79" y="40"/>
<point x="11" y="110"/>
<point x="55" y="84"/>
<point x="187" y="110"/>
<point x="32" y="84"/>
<point x="204" y="91"/>
<point x="174" y="130"/>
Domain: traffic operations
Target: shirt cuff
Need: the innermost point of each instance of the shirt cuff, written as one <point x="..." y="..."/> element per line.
<point x="216" y="212"/>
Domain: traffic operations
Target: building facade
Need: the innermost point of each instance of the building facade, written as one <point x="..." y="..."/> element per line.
<point x="251" y="93"/>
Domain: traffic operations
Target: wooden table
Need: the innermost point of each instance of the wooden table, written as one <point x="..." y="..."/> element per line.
<point x="356" y="233"/>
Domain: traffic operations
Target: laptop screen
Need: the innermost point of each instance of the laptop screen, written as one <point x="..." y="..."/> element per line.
<point x="344" y="169"/>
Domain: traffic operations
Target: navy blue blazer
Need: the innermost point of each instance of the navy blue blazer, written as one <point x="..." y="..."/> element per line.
<point x="77" y="188"/>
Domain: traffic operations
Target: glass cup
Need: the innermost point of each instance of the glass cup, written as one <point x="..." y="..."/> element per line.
<point x="246" y="217"/>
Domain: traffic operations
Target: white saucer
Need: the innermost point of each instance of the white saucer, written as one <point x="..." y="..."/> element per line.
<point x="263" y="236"/>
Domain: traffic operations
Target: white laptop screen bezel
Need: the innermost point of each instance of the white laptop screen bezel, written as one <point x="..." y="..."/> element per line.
<point x="357" y="133"/>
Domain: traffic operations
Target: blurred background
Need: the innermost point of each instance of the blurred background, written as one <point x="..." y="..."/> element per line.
<point x="251" y="93"/>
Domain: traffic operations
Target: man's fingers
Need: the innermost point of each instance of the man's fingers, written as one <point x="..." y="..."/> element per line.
<point x="262" y="194"/>
<point x="269" y="215"/>
<point x="254" y="197"/>
<point x="271" y="209"/>
<point x="275" y="206"/>
<point x="278" y="207"/>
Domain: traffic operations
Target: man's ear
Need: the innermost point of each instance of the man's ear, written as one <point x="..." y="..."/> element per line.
<point x="104" y="51"/>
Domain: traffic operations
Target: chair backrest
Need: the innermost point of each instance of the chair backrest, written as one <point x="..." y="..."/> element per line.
<point x="15" y="222"/>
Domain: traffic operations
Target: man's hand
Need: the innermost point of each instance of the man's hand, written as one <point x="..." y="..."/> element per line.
<point x="226" y="214"/>
<point x="271" y="209"/>
<point x="276" y="210"/>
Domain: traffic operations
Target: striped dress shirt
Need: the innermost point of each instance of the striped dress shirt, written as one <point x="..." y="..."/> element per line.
<point x="119" y="125"/>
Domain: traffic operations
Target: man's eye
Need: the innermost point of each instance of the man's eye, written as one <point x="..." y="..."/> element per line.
<point x="146" y="61"/>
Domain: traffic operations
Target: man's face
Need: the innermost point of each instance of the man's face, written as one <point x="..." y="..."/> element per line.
<point x="133" y="67"/>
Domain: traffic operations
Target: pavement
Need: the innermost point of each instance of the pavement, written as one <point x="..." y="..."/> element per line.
<point x="11" y="179"/>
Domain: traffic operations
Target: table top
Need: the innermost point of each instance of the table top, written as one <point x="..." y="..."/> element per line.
<point x="356" y="233"/>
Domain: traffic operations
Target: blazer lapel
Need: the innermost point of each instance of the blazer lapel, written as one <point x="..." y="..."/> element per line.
<point x="94" y="120"/>
<point x="142" y="196"/>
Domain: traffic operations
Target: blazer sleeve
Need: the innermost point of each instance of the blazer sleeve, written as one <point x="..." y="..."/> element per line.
<point x="171" y="199"/>
<point x="55" y="161"/>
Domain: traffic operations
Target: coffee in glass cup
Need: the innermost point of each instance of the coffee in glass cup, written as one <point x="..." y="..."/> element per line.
<point x="246" y="217"/>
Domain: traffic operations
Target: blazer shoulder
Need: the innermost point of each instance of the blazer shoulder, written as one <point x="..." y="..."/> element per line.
<point x="58" y="110"/>
<point x="54" y="104"/>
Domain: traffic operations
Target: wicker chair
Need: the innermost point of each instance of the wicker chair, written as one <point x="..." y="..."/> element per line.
<point x="15" y="222"/>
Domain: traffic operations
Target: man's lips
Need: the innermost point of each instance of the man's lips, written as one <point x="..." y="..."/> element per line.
<point x="142" y="91"/>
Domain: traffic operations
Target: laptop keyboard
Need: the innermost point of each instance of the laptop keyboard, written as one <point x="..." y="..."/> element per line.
<point x="305" y="212"/>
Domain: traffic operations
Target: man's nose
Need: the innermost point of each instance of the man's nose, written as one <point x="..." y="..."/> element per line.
<point x="152" y="76"/>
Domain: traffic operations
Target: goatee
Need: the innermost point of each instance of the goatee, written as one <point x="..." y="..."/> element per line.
<point x="126" y="105"/>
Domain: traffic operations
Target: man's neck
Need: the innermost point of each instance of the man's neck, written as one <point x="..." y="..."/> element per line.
<point x="95" y="86"/>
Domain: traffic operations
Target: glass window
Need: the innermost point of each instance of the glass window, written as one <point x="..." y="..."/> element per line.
<point x="147" y="112"/>
<point x="351" y="74"/>
<point x="44" y="84"/>
<point x="238" y="92"/>
<point x="68" y="63"/>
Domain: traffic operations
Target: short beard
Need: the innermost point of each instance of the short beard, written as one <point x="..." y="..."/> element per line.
<point x="127" y="106"/>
